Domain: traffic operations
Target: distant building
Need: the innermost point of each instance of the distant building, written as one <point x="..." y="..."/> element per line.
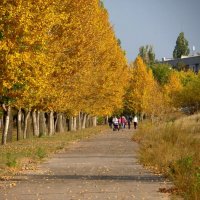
<point x="188" y="62"/>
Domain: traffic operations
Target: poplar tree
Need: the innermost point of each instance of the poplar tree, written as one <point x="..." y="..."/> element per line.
<point x="147" y="54"/>
<point x="181" y="48"/>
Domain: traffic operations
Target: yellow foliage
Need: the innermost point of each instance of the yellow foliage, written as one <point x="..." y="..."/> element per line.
<point x="61" y="56"/>
<point x="172" y="88"/>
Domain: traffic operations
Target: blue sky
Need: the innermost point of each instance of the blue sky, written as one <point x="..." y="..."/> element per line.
<point x="154" y="22"/>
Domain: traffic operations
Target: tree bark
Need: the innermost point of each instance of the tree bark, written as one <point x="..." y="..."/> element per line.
<point x="64" y="122"/>
<point x="29" y="132"/>
<point x="56" y="122"/>
<point x="38" y="123"/>
<point x="6" y="125"/>
<point x="94" y="121"/>
<point x="79" y="121"/>
<point x="142" y="116"/>
<point x="67" y="123"/>
<point x="71" y="124"/>
<point x="51" y="123"/>
<point x="106" y="119"/>
<point x="1" y="122"/>
<point x="10" y="127"/>
<point x="60" y="123"/>
<point x="74" y="124"/>
<point x="27" y="114"/>
<point x="84" y="120"/>
<point x="19" y="124"/>
<point x="88" y="121"/>
<point x="35" y="125"/>
<point x="42" y="124"/>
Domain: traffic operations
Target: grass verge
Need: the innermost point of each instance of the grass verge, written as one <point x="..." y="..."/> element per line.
<point x="25" y="154"/>
<point x="173" y="149"/>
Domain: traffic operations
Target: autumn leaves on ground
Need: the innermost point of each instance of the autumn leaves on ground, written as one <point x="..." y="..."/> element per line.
<point x="62" y="67"/>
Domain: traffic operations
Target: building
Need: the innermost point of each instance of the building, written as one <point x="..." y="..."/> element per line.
<point x="188" y="62"/>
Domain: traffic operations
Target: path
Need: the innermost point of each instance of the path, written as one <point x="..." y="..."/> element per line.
<point x="104" y="167"/>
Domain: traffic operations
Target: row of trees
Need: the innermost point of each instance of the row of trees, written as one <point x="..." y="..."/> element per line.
<point x="61" y="65"/>
<point x="144" y="95"/>
<point x="156" y="89"/>
<point x="58" y="60"/>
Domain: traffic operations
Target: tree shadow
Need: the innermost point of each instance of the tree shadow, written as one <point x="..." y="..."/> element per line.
<point x="137" y="178"/>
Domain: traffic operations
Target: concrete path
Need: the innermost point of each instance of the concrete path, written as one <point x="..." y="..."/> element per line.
<point x="103" y="167"/>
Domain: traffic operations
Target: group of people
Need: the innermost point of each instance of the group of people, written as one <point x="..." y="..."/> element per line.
<point x="121" y="122"/>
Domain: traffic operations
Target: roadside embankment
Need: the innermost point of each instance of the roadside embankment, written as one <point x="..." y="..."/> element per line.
<point x="172" y="148"/>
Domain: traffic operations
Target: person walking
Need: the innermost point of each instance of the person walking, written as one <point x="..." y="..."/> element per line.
<point x="135" y="122"/>
<point x="110" y="121"/>
<point x="123" y="122"/>
<point x="129" y="122"/>
<point x="115" y="124"/>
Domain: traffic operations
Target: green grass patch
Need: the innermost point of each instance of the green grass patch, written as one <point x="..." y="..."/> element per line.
<point x="40" y="153"/>
<point x="24" y="154"/>
<point x="173" y="149"/>
<point x="11" y="160"/>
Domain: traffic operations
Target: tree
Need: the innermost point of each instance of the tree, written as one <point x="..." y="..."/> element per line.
<point x="22" y="50"/>
<point x="181" y="48"/>
<point x="189" y="97"/>
<point x="57" y="58"/>
<point x="161" y="72"/>
<point x="140" y="89"/>
<point x="147" y="54"/>
<point x="172" y="88"/>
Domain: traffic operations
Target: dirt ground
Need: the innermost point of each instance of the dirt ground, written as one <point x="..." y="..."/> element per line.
<point x="102" y="167"/>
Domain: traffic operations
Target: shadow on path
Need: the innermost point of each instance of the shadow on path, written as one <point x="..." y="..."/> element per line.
<point x="140" y="178"/>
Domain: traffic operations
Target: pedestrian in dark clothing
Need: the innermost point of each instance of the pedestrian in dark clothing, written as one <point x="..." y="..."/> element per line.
<point x="129" y="122"/>
<point x="110" y="121"/>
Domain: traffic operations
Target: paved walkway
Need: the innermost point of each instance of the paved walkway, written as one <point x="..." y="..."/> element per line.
<point x="103" y="167"/>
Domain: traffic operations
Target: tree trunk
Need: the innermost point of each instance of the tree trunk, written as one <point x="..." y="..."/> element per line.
<point x="67" y="124"/>
<point x="142" y="116"/>
<point x="27" y="114"/>
<point x="29" y="132"/>
<point x="71" y="124"/>
<point x="79" y="121"/>
<point x="84" y="120"/>
<point x="19" y="124"/>
<point x="10" y="127"/>
<point x="106" y="119"/>
<point x="38" y="123"/>
<point x="42" y="124"/>
<point x="35" y="128"/>
<point x="74" y="123"/>
<point x="1" y="123"/>
<point x="94" y="121"/>
<point x="6" y="125"/>
<point x="152" y="118"/>
<point x="51" y="123"/>
<point x="87" y="121"/>
<point x="64" y="122"/>
<point x="60" y="123"/>
<point x="56" y="122"/>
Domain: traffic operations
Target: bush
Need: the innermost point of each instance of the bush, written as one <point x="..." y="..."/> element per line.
<point x="100" y="120"/>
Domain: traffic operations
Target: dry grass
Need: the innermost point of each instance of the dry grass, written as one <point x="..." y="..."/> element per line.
<point x="173" y="149"/>
<point x="25" y="154"/>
